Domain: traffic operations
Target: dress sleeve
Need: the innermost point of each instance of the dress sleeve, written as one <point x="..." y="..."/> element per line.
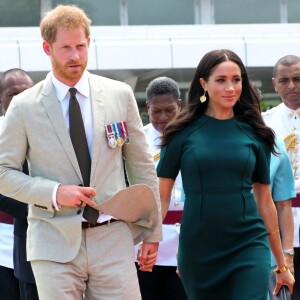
<point x="283" y="183"/>
<point x="261" y="172"/>
<point x="170" y="158"/>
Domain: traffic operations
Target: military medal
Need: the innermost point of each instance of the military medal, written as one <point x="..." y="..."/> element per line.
<point x="124" y="132"/>
<point x="111" y="137"/>
<point x="121" y="138"/>
<point x="117" y="134"/>
<point x="117" y="130"/>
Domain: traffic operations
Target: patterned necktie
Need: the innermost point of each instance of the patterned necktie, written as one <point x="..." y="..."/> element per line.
<point x="78" y="138"/>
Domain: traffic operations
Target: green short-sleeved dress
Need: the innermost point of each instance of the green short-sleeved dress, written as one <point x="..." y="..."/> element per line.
<point x="223" y="250"/>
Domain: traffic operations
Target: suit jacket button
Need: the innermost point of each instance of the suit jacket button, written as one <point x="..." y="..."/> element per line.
<point x="78" y="211"/>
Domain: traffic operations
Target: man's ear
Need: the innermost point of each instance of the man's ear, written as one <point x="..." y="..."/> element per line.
<point x="47" y="48"/>
<point x="273" y="81"/>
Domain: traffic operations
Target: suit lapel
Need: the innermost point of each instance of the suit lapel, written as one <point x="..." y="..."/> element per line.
<point x="53" y="110"/>
<point x="98" y="107"/>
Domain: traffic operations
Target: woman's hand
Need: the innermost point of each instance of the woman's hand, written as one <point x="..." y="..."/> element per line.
<point x="284" y="278"/>
<point x="147" y="256"/>
<point x="177" y="271"/>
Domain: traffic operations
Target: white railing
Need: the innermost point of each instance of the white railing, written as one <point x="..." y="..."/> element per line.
<point x="157" y="47"/>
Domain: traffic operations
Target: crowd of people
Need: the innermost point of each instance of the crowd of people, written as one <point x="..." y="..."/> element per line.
<point x="16" y="274"/>
<point x="224" y="180"/>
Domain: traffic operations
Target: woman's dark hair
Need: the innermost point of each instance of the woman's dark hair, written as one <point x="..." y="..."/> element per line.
<point x="247" y="108"/>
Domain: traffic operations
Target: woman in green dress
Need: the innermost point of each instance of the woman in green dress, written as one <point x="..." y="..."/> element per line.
<point x="222" y="147"/>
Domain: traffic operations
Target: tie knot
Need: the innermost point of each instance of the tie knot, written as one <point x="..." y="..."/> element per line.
<point x="73" y="92"/>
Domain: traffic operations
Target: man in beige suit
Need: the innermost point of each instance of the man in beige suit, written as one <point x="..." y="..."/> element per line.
<point x="71" y="257"/>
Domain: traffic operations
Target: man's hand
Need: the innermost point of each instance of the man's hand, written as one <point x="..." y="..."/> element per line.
<point x="74" y="196"/>
<point x="147" y="255"/>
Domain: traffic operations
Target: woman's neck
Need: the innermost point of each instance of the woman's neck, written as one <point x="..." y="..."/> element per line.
<point x="220" y="114"/>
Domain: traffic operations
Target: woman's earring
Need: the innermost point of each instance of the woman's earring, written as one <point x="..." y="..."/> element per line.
<point x="203" y="97"/>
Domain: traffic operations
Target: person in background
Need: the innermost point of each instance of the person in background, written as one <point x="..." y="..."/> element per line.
<point x="283" y="189"/>
<point x="222" y="147"/>
<point x="163" y="104"/>
<point x="13" y="82"/>
<point x="74" y="129"/>
<point x="284" y="119"/>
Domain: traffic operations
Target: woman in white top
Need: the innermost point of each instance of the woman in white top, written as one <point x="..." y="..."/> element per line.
<point x="163" y="104"/>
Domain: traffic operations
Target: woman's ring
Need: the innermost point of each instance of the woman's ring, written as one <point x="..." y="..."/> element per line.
<point x="81" y="202"/>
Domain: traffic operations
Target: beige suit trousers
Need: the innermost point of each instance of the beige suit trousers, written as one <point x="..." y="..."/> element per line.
<point x="103" y="269"/>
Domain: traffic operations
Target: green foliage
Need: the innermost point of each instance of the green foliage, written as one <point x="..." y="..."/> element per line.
<point x="264" y="106"/>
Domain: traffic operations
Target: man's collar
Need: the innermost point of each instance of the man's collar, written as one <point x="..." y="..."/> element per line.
<point x="62" y="89"/>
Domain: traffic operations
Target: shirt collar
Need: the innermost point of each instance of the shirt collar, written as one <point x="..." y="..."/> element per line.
<point x="290" y="112"/>
<point x="62" y="89"/>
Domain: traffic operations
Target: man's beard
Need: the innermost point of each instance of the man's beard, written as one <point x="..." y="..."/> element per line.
<point x="66" y="73"/>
